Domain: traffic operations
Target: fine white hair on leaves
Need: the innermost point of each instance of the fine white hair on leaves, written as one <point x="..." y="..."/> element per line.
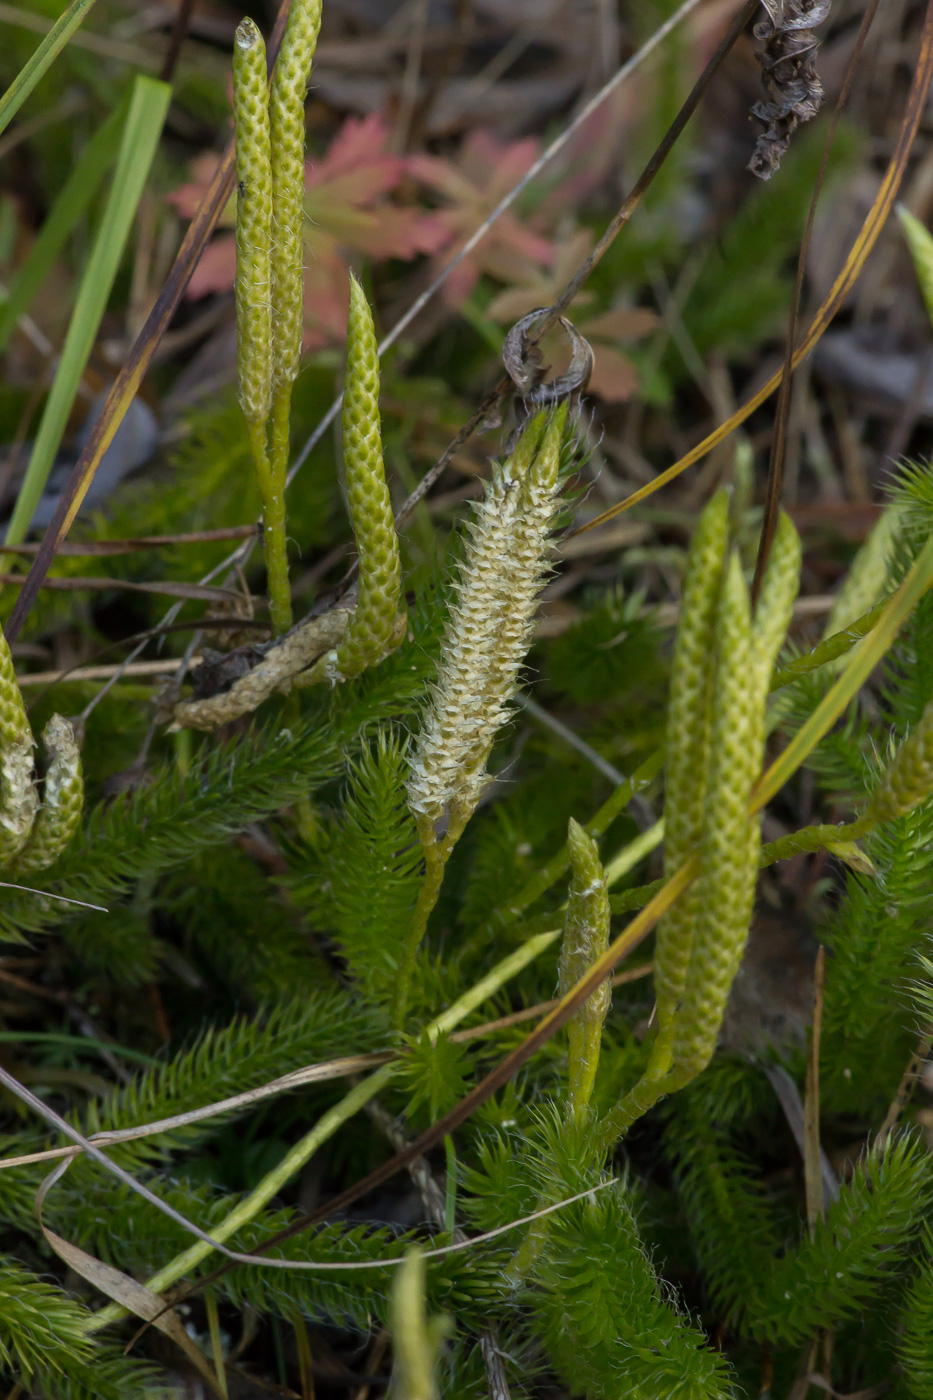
<point x="490" y="626"/>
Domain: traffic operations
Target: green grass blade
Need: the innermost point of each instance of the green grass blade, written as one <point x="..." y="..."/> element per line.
<point x="73" y="199"/>
<point x="141" y="132"/>
<point x="920" y="242"/>
<point x="51" y="46"/>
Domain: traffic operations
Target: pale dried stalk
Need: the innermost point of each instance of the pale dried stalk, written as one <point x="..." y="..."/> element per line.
<point x="276" y="673"/>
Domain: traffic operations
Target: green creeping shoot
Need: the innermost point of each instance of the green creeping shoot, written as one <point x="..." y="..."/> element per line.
<point x="416" y="1338"/>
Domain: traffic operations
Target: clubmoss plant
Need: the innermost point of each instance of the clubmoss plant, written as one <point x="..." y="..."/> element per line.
<point x="257" y="310"/>
<point x="287" y="146"/>
<point x="375" y="625"/>
<point x="18" y="797"/>
<point x="738" y="675"/>
<point x="489" y="631"/>
<point x="586" y="936"/>
<point x="287" y="137"/>
<point x="908" y="779"/>
<point x="59" y="816"/>
<point x="364" y="895"/>
<point x="689" y="726"/>
<point x="270" y="139"/>
<point x="253" y="229"/>
<point x="32" y="837"/>
<point x="484" y="648"/>
<point x="729" y="848"/>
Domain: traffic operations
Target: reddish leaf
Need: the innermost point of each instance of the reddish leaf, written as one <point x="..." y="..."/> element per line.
<point x="217" y="268"/>
<point x="614" y="377"/>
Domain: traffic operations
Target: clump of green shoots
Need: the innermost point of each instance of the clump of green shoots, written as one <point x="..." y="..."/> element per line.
<point x="724" y="656"/>
<point x="270" y="134"/>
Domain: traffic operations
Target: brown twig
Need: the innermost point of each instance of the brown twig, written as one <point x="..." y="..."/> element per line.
<point x="178" y="36"/>
<point x="143" y="542"/>
<point x="909" y="1079"/>
<point x="190" y="592"/>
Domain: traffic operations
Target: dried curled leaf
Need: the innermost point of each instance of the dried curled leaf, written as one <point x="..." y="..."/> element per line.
<point x="788" y="75"/>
